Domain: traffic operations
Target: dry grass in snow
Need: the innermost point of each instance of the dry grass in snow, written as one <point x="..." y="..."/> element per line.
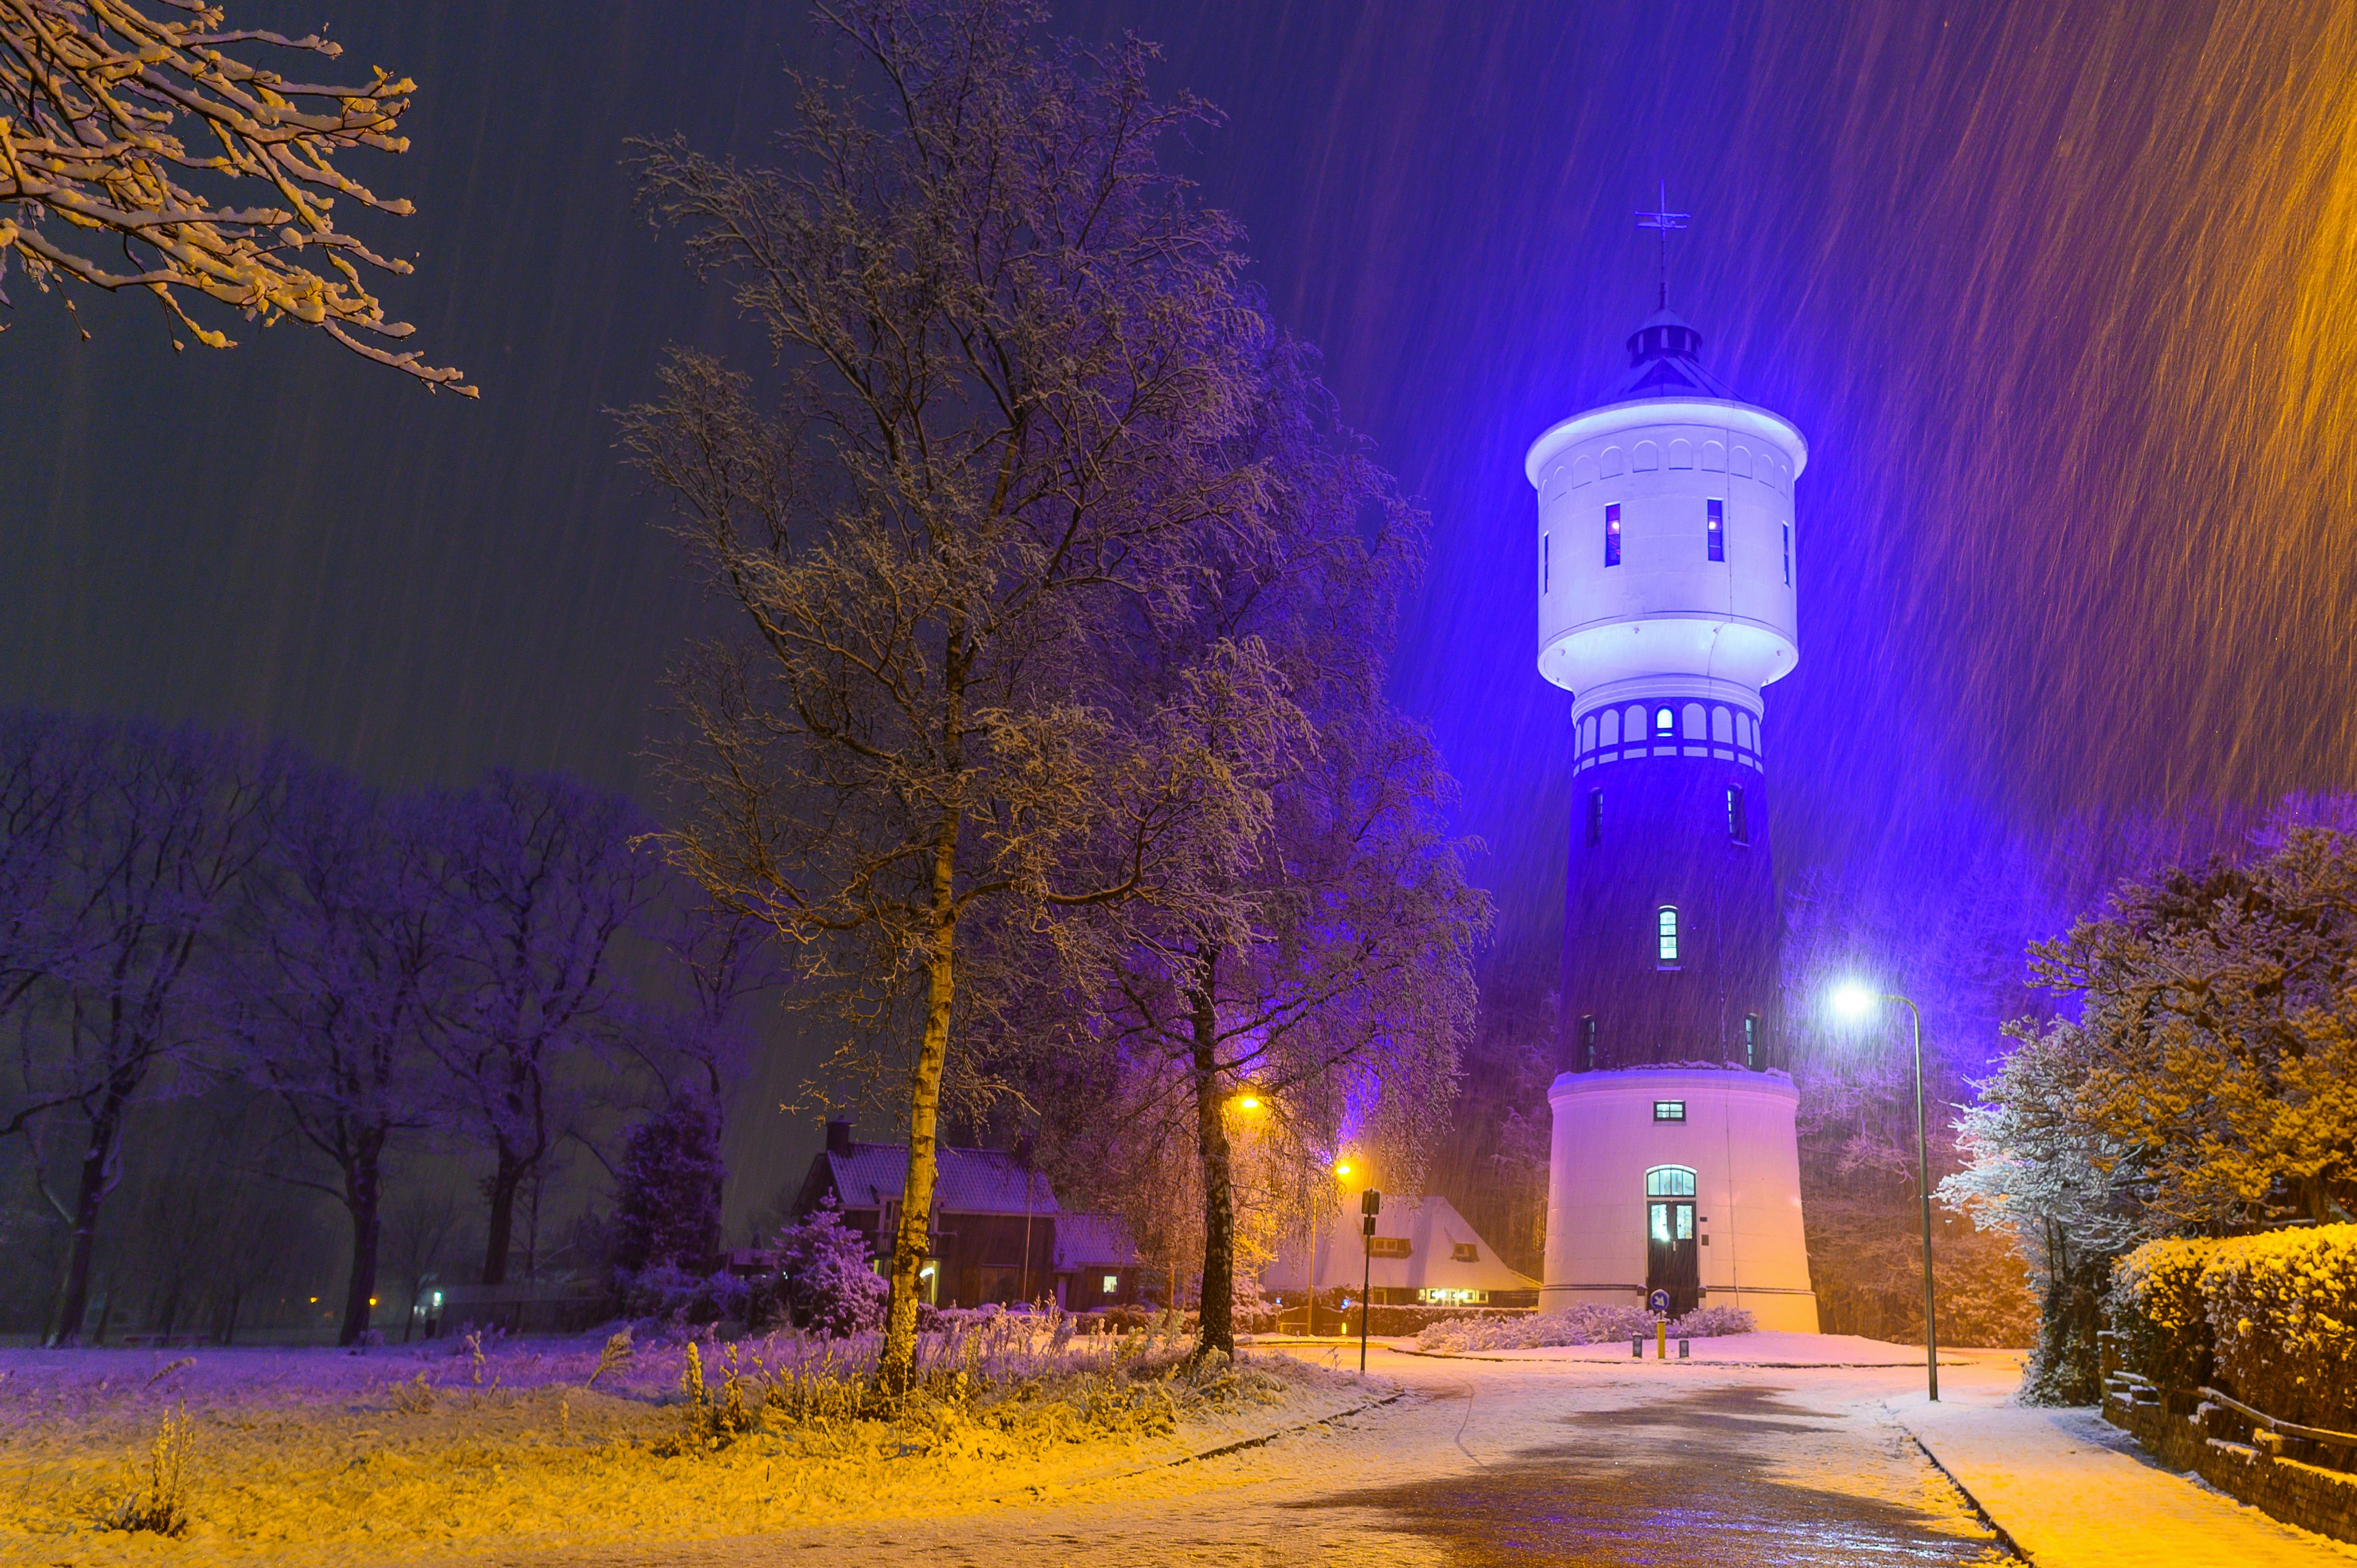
<point x="315" y="1454"/>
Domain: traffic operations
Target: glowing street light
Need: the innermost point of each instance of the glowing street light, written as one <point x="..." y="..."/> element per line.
<point x="1855" y="1001"/>
<point x="1342" y="1169"/>
<point x="1247" y="1102"/>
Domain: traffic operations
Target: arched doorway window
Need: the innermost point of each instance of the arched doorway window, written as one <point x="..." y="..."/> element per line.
<point x="1673" y="1252"/>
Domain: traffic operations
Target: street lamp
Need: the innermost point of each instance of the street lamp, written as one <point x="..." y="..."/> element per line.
<point x="1854" y="1001"/>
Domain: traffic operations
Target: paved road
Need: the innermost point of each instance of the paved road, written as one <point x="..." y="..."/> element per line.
<point x="1486" y="1463"/>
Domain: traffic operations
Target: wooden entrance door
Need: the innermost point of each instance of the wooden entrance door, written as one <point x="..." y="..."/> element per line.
<point x="1672" y="1256"/>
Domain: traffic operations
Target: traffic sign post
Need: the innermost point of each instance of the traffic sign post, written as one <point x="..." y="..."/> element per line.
<point x="1371" y="1203"/>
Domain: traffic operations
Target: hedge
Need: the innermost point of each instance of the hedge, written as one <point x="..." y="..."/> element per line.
<point x="2158" y="1311"/>
<point x="2284" y="1308"/>
<point x="2271" y="1319"/>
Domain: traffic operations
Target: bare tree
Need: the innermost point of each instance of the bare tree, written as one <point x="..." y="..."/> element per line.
<point x="1016" y="355"/>
<point x="421" y="1231"/>
<point x="45" y="777"/>
<point x="95" y="100"/>
<point x="148" y="867"/>
<point x="344" y="961"/>
<point x="545" y="880"/>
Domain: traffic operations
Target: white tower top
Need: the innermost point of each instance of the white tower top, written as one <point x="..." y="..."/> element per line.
<point x="1666" y="541"/>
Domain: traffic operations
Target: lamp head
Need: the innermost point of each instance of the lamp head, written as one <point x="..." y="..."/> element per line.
<point x="1248" y="1101"/>
<point x="1342" y="1169"/>
<point x="1852" y="1001"/>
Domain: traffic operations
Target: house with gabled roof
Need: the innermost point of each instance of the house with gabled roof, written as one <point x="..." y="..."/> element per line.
<point x="1423" y="1253"/>
<point x="999" y="1235"/>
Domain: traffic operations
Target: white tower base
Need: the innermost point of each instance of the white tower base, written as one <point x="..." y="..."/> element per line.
<point x="1737" y="1137"/>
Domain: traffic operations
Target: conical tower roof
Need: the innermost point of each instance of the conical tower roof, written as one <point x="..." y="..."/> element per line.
<point x="1666" y="361"/>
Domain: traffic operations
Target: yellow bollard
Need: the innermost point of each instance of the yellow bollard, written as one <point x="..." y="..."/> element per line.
<point x="1661" y="1340"/>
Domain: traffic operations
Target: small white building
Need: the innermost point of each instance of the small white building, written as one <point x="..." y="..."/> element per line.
<point x="1424" y="1254"/>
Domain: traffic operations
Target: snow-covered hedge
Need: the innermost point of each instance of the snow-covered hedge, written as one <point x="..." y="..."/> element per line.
<point x="1586" y="1324"/>
<point x="2157" y="1307"/>
<point x="2284" y="1309"/>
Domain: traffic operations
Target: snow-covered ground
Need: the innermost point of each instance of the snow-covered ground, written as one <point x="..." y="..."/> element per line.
<point x="1764" y="1347"/>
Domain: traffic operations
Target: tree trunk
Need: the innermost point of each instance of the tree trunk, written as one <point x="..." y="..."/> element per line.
<point x="1215" y="1319"/>
<point x="363" y="1190"/>
<point x="910" y="1245"/>
<point x="505" y="1182"/>
<point x="97" y="1162"/>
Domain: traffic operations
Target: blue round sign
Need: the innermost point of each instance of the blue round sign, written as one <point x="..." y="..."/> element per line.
<point x="1660" y="1303"/>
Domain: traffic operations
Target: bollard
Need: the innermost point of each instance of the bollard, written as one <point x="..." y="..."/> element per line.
<point x="1636" y="1346"/>
<point x="1682" y="1349"/>
<point x="1660" y="1341"/>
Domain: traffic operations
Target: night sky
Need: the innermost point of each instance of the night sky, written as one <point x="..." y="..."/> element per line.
<point x="2064" y="297"/>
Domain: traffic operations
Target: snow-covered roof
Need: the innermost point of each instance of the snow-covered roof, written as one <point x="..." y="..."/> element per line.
<point x="1444" y="1252"/>
<point x="971" y="1181"/>
<point x="1093" y="1241"/>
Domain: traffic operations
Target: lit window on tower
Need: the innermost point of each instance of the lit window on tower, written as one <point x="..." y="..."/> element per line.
<point x="1717" y="529"/>
<point x="1751" y="1040"/>
<point x="1664" y="722"/>
<point x="1612" y="534"/>
<point x="1588" y="1042"/>
<point x="1665" y="936"/>
<point x="1594" y="818"/>
<point x="1739" y="828"/>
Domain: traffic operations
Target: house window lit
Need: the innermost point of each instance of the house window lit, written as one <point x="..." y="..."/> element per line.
<point x="1112" y="1284"/>
<point x="1388" y="1246"/>
<point x="1664" y="723"/>
<point x="1669" y="1110"/>
<point x="1739" y="826"/>
<point x="1464" y="1252"/>
<point x="1665" y="936"/>
<point x="1612" y="534"/>
<point x="1588" y="1042"/>
<point x="1594" y="818"/>
<point x="1717" y="529"/>
<point x="1751" y="1040"/>
<point x="1788" y="554"/>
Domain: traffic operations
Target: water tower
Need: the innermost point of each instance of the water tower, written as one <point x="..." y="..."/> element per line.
<point x="1665" y="566"/>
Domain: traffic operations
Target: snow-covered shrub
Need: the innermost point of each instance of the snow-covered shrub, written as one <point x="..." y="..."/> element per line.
<point x="2284" y="1309"/>
<point x="830" y="1284"/>
<point x="1588" y="1323"/>
<point x="2157" y="1308"/>
<point x="672" y="1294"/>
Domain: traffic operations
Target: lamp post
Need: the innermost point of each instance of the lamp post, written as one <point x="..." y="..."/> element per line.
<point x="1855" y="1001"/>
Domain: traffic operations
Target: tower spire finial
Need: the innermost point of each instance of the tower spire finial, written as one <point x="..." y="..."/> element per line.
<point x="1663" y="220"/>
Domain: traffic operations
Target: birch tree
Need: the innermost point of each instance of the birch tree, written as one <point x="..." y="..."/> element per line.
<point x="1012" y="354"/>
<point x="147" y="129"/>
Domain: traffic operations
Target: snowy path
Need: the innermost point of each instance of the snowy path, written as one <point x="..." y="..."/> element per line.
<point x="2073" y="1492"/>
<point x="1489" y="1463"/>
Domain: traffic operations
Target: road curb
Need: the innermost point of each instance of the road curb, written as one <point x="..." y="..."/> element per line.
<point x="1980" y="1510"/>
<point x="1268" y="1437"/>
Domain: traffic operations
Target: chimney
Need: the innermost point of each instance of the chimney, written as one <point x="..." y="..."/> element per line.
<point x="838" y="1137"/>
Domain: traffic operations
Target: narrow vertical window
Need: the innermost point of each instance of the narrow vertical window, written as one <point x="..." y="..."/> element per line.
<point x="1594" y="818"/>
<point x="1751" y="1040"/>
<point x="1588" y="1042"/>
<point x="1546" y="562"/>
<point x="1737" y="828"/>
<point x="1665" y="936"/>
<point x="1717" y="529"/>
<point x="1788" y="554"/>
<point x="1612" y="534"/>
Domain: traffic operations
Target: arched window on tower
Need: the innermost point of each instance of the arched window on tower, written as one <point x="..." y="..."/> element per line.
<point x="1664" y="723"/>
<point x="1665" y="936"/>
<point x="1669" y="1181"/>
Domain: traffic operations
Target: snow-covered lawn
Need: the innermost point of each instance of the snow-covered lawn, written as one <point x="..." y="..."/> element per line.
<point x="316" y="1454"/>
